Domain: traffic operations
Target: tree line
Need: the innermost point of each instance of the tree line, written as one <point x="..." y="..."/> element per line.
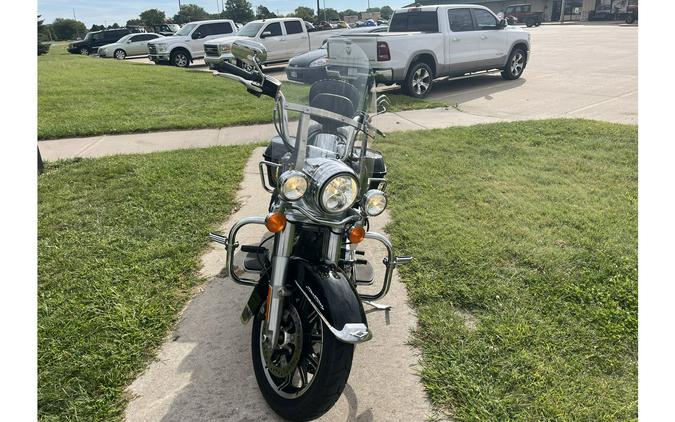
<point x="239" y="11"/>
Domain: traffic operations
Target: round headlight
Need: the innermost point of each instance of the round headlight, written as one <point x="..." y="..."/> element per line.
<point x="293" y="185"/>
<point x="375" y="202"/>
<point x="339" y="193"/>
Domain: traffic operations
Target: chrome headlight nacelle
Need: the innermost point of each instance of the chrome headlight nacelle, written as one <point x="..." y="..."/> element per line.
<point x="339" y="193"/>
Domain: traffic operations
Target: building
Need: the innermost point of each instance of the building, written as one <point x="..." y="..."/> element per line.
<point x="580" y="10"/>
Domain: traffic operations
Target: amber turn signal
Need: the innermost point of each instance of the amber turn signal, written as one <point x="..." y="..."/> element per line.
<point x="275" y="222"/>
<point x="356" y="234"/>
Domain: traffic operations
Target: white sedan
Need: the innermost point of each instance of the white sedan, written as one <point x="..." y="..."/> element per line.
<point x="127" y="46"/>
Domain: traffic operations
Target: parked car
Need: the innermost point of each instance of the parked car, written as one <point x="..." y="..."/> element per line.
<point x="127" y="46"/>
<point x="283" y="38"/>
<point x="457" y="41"/>
<point x="631" y="12"/>
<point x="310" y="67"/>
<point x="93" y="40"/>
<point x="523" y="13"/>
<point x="166" y="29"/>
<point x="187" y="44"/>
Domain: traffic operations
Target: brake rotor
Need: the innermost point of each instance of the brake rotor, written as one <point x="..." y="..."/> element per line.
<point x="282" y="358"/>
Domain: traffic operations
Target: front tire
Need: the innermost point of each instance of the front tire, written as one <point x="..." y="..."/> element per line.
<point x="418" y="81"/>
<point x="120" y="54"/>
<point x="180" y="58"/>
<point x="515" y="65"/>
<point x="84" y="51"/>
<point x="306" y="349"/>
<point x="529" y="22"/>
<point x="630" y="18"/>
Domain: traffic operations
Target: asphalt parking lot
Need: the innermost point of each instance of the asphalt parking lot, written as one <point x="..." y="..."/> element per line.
<point x="575" y="70"/>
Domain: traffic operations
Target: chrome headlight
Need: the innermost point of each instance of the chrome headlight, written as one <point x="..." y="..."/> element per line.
<point x="339" y="193"/>
<point x="292" y="185"/>
<point x="161" y="47"/>
<point x="319" y="62"/>
<point x="224" y="48"/>
<point x="374" y="202"/>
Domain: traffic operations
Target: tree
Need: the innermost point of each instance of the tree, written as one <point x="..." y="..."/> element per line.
<point x="42" y="47"/>
<point x="190" y="13"/>
<point x="95" y="27"/>
<point x="264" y="13"/>
<point x="238" y="11"/>
<point x="348" y="12"/>
<point x="115" y="25"/>
<point x="304" y="13"/>
<point x="386" y="12"/>
<point x="68" y="29"/>
<point x="152" y="17"/>
<point x="134" y="22"/>
<point x="329" y="14"/>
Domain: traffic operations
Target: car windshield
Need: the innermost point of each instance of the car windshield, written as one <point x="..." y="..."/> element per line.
<point x="250" y="29"/>
<point x="173" y="27"/>
<point x="186" y="29"/>
<point x="88" y="36"/>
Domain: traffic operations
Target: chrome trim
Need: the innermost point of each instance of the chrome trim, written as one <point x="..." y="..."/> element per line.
<point x="261" y="170"/>
<point x="355" y="216"/>
<point x="283" y="247"/>
<point x="352" y="333"/>
<point x="390" y="262"/>
<point x="333" y="248"/>
<point x="232" y="245"/>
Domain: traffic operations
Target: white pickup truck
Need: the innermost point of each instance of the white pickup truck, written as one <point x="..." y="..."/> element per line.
<point x="283" y="39"/>
<point x="187" y="44"/>
<point x="457" y="41"/>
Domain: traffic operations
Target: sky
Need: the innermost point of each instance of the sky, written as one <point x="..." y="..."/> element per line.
<point x="102" y="12"/>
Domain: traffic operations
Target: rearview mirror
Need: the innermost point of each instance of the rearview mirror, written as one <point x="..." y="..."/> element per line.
<point x="266" y="34"/>
<point x="250" y="52"/>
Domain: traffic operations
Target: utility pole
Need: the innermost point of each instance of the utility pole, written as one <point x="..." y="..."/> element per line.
<point x="74" y="17"/>
<point x="562" y="11"/>
<point x="324" y="11"/>
<point x="317" y="11"/>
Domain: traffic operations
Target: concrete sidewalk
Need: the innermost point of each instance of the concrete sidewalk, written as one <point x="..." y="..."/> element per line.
<point x="135" y="143"/>
<point x="204" y="369"/>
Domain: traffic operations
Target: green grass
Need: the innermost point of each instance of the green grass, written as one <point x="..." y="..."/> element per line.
<point x="118" y="246"/>
<point x="84" y="96"/>
<point x="524" y="238"/>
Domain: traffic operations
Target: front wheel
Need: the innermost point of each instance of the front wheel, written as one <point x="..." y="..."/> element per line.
<point x="84" y="51"/>
<point x="180" y="59"/>
<point x="529" y="22"/>
<point x="630" y="18"/>
<point x="515" y="65"/>
<point x="120" y="54"/>
<point x="303" y="375"/>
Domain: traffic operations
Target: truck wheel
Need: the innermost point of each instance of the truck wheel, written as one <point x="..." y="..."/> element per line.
<point x="630" y="18"/>
<point x="515" y="65"/>
<point x="180" y="58"/>
<point x="537" y="23"/>
<point x="529" y="22"/>
<point x="84" y="51"/>
<point x="418" y="81"/>
<point x="120" y="54"/>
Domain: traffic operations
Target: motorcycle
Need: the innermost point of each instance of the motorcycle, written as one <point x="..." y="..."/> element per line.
<point x="325" y="185"/>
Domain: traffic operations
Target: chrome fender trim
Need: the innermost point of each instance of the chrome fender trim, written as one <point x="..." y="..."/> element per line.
<point x="352" y="333"/>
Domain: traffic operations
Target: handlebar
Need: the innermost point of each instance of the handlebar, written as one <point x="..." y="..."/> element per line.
<point x="256" y="83"/>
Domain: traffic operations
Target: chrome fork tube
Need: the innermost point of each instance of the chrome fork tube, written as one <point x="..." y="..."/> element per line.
<point x="333" y="248"/>
<point x="282" y="251"/>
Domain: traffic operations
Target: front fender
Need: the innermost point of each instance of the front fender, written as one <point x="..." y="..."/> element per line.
<point x="333" y="297"/>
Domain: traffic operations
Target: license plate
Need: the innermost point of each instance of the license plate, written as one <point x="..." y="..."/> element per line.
<point x="294" y="74"/>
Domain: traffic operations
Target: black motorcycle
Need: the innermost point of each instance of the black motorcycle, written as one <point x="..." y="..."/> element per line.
<point x="325" y="184"/>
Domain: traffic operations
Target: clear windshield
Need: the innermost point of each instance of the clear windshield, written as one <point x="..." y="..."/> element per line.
<point x="186" y="29"/>
<point x="250" y="29"/>
<point x="173" y="27"/>
<point x="337" y="98"/>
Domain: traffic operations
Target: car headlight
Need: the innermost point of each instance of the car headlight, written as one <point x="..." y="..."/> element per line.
<point x="293" y="185"/>
<point x="339" y="193"/>
<point x="161" y="47"/>
<point x="224" y="48"/>
<point x="374" y="202"/>
<point x="319" y="62"/>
